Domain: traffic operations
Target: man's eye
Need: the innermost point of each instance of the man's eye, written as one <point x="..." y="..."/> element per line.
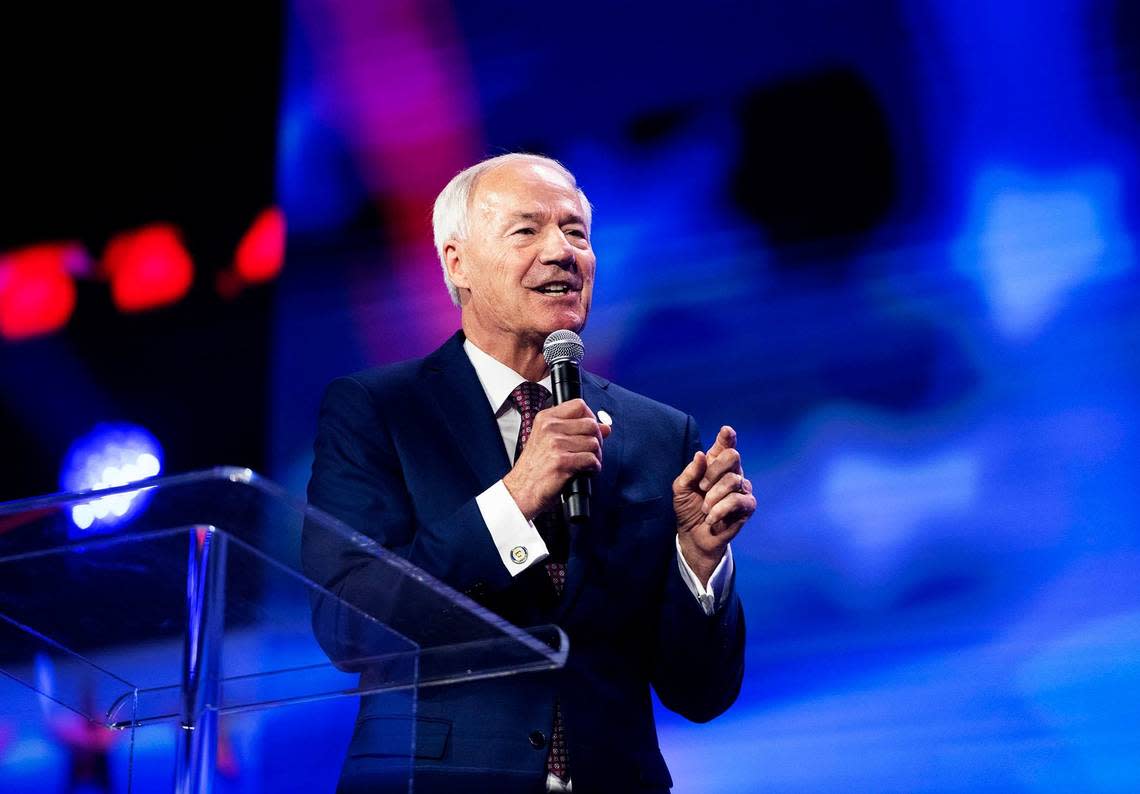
<point x="524" y="230"/>
<point x="576" y="233"/>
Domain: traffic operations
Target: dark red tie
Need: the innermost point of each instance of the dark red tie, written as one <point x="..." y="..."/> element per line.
<point x="530" y="398"/>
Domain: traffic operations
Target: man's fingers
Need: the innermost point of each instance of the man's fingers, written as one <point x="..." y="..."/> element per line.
<point x="734" y="508"/>
<point x="729" y="483"/>
<point x="727" y="461"/>
<point x="569" y="443"/>
<point x="573" y="427"/>
<point x="725" y="439"/>
<point x="577" y="419"/>
<point x="571" y="409"/>
<point x="690" y="476"/>
<point x="585" y="461"/>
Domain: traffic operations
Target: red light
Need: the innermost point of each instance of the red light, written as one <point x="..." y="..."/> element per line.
<point x="261" y="252"/>
<point x="148" y="267"/>
<point x="37" y="295"/>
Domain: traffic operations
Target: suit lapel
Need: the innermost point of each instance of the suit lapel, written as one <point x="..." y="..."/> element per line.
<point x="460" y="398"/>
<point x="585" y="541"/>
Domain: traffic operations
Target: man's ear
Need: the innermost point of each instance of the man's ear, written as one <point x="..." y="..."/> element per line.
<point x="456" y="263"/>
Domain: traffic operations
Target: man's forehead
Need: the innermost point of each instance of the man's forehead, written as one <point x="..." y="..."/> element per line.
<point x="526" y="187"/>
<point x="529" y="171"/>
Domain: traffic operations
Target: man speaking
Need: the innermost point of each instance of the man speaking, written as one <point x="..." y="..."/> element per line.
<point x="457" y="461"/>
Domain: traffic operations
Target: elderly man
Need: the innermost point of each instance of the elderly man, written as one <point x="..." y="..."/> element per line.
<point x="454" y="462"/>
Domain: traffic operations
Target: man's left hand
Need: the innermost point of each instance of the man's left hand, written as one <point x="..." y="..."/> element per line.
<point x="712" y="499"/>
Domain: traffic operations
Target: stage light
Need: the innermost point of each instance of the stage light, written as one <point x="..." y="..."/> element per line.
<point x="110" y="455"/>
<point x="261" y="252"/>
<point x="37" y="294"/>
<point x="149" y="267"/>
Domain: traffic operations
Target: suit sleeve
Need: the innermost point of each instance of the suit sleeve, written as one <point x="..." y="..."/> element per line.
<point x="699" y="659"/>
<point x="358" y="478"/>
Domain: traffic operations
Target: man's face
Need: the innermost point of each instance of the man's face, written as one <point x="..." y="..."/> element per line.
<point x="527" y="260"/>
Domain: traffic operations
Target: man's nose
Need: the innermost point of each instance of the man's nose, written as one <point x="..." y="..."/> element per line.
<point x="556" y="250"/>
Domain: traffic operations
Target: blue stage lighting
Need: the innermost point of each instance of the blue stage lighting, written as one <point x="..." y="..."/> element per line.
<point x="110" y="455"/>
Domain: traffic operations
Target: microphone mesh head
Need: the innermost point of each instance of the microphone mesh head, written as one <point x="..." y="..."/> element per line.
<point x="563" y="346"/>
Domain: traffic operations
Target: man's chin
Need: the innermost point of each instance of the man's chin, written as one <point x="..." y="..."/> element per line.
<point x="571" y="322"/>
<point x="538" y="333"/>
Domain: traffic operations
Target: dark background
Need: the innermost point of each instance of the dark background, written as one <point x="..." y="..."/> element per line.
<point x="117" y="120"/>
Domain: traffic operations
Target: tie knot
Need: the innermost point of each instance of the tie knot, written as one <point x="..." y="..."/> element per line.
<point x="529" y="398"/>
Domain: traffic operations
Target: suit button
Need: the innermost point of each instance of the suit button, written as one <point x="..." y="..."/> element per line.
<point x="537" y="739"/>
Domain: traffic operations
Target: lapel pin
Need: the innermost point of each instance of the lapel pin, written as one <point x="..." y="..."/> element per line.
<point x="605" y="418"/>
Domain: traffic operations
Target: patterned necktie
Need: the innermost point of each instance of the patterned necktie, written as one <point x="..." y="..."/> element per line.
<point x="529" y="398"/>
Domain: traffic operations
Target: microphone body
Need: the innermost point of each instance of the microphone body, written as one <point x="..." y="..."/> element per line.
<point x="563" y="353"/>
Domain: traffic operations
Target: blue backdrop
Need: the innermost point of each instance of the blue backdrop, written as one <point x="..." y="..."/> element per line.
<point x="893" y="244"/>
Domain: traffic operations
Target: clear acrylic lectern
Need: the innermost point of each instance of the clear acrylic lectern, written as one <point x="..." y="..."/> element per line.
<point x="198" y="605"/>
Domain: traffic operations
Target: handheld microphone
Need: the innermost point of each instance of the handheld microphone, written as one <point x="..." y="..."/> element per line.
<point x="563" y="351"/>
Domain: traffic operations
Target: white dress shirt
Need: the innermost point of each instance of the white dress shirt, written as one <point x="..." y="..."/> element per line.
<point x="510" y="530"/>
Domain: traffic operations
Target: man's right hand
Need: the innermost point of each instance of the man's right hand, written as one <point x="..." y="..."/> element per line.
<point x="566" y="439"/>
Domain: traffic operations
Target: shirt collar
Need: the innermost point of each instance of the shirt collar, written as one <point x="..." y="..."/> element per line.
<point x="497" y="379"/>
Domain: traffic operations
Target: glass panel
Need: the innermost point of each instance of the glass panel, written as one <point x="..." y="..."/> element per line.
<point x="97" y="620"/>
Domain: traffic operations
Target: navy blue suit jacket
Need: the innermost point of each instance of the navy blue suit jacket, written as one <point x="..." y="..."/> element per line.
<point x="401" y="453"/>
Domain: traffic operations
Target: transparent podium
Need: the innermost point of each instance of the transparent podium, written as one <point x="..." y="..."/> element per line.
<point x="196" y="605"/>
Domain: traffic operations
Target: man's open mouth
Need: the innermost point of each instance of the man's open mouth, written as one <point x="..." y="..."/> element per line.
<point x="554" y="289"/>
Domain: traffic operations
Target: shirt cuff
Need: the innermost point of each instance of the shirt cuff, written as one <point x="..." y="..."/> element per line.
<point x="516" y="539"/>
<point x="712" y="597"/>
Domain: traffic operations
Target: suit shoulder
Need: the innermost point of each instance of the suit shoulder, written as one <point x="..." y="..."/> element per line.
<point x="646" y="406"/>
<point x="397" y="381"/>
<point x="384" y="383"/>
<point x="389" y="376"/>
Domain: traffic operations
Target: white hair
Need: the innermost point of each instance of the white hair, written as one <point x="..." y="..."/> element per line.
<point x="449" y="217"/>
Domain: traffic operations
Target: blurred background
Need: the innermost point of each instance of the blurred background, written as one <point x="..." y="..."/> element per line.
<point x="892" y="243"/>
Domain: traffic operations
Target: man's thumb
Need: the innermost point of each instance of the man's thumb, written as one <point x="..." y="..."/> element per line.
<point x="691" y="475"/>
